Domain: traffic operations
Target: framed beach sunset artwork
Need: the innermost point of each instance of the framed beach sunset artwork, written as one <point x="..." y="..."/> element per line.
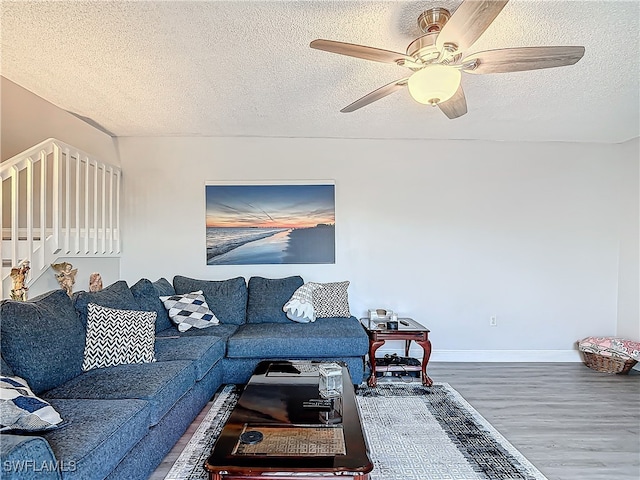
<point x="252" y="224"/>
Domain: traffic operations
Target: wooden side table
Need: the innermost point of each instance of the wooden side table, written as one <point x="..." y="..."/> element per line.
<point x="408" y="330"/>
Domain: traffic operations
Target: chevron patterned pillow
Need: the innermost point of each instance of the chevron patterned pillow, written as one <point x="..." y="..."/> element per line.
<point x="189" y="310"/>
<point x="117" y="337"/>
<point x="331" y="300"/>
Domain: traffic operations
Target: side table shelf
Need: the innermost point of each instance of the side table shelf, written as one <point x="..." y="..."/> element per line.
<point x="408" y="330"/>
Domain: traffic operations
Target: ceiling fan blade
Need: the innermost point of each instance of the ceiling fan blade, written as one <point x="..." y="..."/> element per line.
<point x="521" y="59"/>
<point x="376" y="95"/>
<point x="469" y="22"/>
<point x="456" y="106"/>
<point x="360" y="51"/>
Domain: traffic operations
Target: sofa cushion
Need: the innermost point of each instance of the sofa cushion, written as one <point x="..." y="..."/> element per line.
<point x="5" y="369"/>
<point x="148" y="294"/>
<point x="117" y="337"/>
<point x="188" y="310"/>
<point x="220" y="331"/>
<point x="42" y="339"/>
<point x="226" y="298"/>
<point x="98" y="434"/>
<point x="267" y="297"/>
<point x="204" y="351"/>
<point x="326" y="337"/>
<point x="331" y="300"/>
<point x="116" y="295"/>
<point x="160" y="383"/>
<point x="22" y="411"/>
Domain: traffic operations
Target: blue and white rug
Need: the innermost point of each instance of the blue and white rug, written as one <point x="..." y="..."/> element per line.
<point x="413" y="432"/>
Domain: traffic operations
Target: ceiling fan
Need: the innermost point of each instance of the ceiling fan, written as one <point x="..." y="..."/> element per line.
<point x="438" y="57"/>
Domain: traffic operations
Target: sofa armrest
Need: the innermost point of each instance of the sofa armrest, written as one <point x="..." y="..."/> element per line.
<point x="27" y="458"/>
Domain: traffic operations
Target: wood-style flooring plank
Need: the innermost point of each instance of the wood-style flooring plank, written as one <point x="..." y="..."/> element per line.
<point x="568" y="420"/>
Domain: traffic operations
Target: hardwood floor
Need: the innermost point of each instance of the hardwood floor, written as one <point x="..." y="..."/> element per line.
<point x="568" y="420"/>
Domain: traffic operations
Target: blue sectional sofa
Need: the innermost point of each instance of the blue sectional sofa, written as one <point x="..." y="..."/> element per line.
<point x="120" y="421"/>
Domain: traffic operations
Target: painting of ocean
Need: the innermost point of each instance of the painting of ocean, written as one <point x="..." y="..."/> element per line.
<point x="270" y="224"/>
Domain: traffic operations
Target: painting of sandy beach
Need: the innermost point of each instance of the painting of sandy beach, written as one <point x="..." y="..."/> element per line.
<point x="270" y="224"/>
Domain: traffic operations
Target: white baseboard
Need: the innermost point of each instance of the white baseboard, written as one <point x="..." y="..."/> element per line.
<point x="488" y="355"/>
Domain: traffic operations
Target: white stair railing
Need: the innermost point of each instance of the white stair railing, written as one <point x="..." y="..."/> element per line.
<point x="57" y="201"/>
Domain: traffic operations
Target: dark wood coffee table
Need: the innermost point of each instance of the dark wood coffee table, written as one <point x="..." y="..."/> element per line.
<point x="294" y="439"/>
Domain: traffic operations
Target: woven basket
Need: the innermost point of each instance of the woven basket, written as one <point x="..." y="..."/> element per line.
<point x="600" y="363"/>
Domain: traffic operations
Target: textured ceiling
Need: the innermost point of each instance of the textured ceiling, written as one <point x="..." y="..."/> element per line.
<point x="244" y="68"/>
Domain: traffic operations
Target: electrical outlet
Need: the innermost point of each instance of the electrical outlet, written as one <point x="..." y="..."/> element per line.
<point x="493" y="321"/>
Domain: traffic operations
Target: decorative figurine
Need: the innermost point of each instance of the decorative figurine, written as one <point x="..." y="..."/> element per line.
<point x="19" y="276"/>
<point x="66" y="275"/>
<point x="95" y="282"/>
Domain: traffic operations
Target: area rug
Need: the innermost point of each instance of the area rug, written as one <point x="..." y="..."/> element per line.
<point x="413" y="433"/>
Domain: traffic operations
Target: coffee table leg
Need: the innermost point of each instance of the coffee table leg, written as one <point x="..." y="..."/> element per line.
<point x="373" y="346"/>
<point x="426" y="353"/>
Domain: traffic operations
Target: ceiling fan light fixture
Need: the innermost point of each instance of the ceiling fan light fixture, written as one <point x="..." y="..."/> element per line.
<point x="434" y="84"/>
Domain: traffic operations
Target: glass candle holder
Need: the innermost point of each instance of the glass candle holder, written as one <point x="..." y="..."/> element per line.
<point x="330" y="380"/>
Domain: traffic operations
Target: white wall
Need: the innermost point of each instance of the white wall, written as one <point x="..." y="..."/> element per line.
<point x="629" y="263"/>
<point x="28" y="119"/>
<point x="544" y="236"/>
<point x="447" y="232"/>
<point x="109" y="269"/>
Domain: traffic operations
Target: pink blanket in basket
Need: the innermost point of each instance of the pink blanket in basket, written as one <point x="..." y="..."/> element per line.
<point x="611" y="347"/>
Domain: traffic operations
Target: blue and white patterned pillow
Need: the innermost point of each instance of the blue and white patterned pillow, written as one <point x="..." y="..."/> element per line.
<point x="189" y="310"/>
<point x="21" y="410"/>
